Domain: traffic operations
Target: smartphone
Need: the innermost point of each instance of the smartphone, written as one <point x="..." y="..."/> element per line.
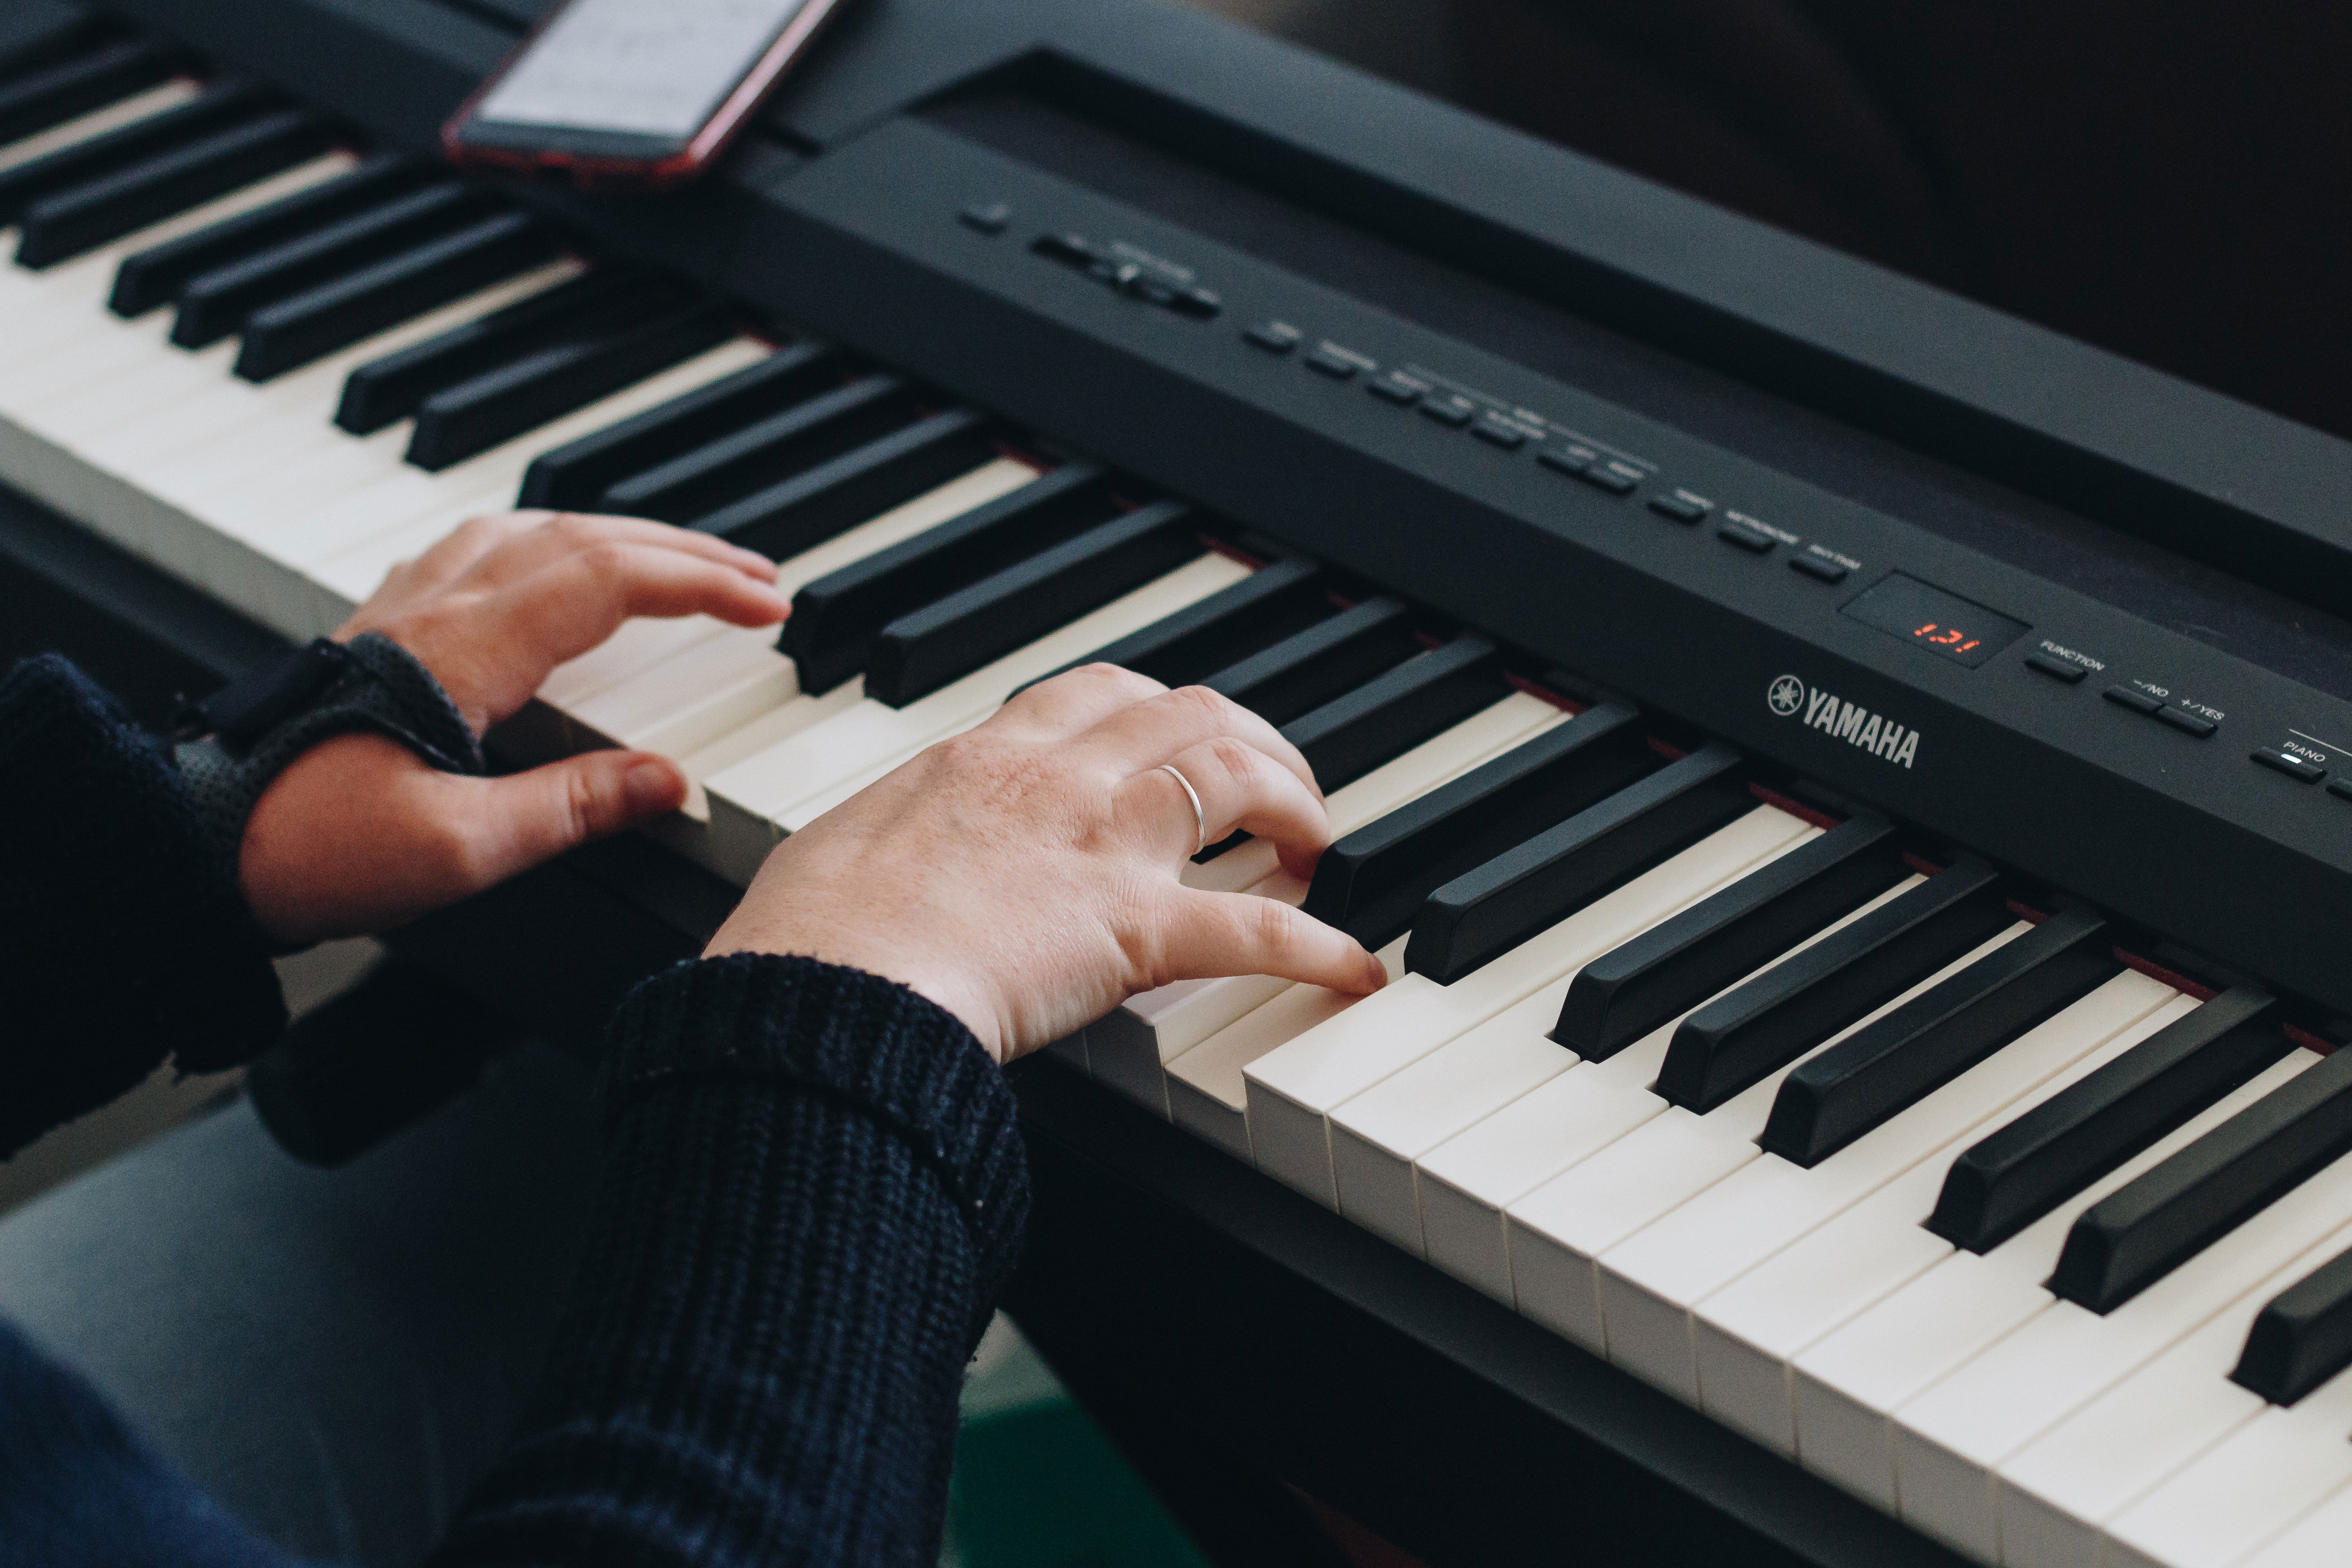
<point x="643" y="93"/>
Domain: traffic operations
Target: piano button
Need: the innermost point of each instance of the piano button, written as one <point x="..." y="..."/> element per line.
<point x="2301" y="769"/>
<point x="1755" y="540"/>
<point x="1274" y="337"/>
<point x="309" y="326"/>
<point x="1321" y="663"/>
<point x="836" y="618"/>
<point x="2056" y="669"/>
<point x="1952" y="1436"/>
<point x="475" y="415"/>
<point x="792" y="514"/>
<point x="2302" y="1338"/>
<point x="210" y="109"/>
<point x="794" y="439"/>
<point x="1265" y="607"/>
<point x="1350" y="735"/>
<point x="1744" y="1332"/>
<point x="1493" y="908"/>
<point x="1566" y="459"/>
<point x="2020" y="1173"/>
<point x="1671" y="968"/>
<point x="1653" y="1286"/>
<point x="1847" y="1386"/>
<point x="575" y="477"/>
<point x="1617" y="479"/>
<point x="65" y="94"/>
<point x="751" y="802"/>
<point x="1373" y="880"/>
<point x="1499" y="433"/>
<point x="1329" y="362"/>
<point x="154" y="275"/>
<point x="1684" y="507"/>
<point x="1205" y="1089"/>
<point x="213" y="305"/>
<point x="1842" y="1094"/>
<point x="1398" y="388"/>
<point x="1735" y="1040"/>
<point x="1294" y="1093"/>
<point x="72" y="222"/>
<point x="1820" y="568"/>
<point x="2151" y="1228"/>
<point x="1449" y="409"/>
<point x="1130" y="1047"/>
<point x="2187" y="723"/>
<point x="385" y="391"/>
<point x="2131" y="697"/>
<point x="923" y="651"/>
<point x="2055" y="1494"/>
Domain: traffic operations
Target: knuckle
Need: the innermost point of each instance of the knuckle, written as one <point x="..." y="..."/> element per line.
<point x="1212" y="705"/>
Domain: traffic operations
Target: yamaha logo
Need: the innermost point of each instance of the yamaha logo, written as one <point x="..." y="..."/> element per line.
<point x="1881" y="736"/>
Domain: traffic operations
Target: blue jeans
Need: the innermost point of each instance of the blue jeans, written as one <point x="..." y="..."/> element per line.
<point x="336" y="1355"/>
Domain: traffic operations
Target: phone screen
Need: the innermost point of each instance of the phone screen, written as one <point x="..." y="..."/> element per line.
<point x="637" y="67"/>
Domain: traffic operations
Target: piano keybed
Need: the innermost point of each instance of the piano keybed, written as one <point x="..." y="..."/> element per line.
<point x="1941" y="1195"/>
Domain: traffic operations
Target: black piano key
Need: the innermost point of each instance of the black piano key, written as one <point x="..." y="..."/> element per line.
<point x="2007" y="1180"/>
<point x="1485" y="912"/>
<point x="215" y="305"/>
<point x="319" y="321"/>
<point x="1678" y="963"/>
<point x="2151" y="1226"/>
<point x="463" y="421"/>
<point x="1741" y="1038"/>
<point x="72" y="222"/>
<point x="1371" y="883"/>
<point x="1187" y="648"/>
<point x="575" y="477"/>
<point x="838" y="494"/>
<point x="836" y="618"/>
<point x="717" y="473"/>
<point x="51" y="90"/>
<point x="1862" y="1082"/>
<point x="155" y="276"/>
<point x="1389" y="715"/>
<point x="220" y="105"/>
<point x="385" y="391"/>
<point x="1325" y="660"/>
<point x="2303" y="1337"/>
<point x="918" y="653"/>
<point x="36" y="35"/>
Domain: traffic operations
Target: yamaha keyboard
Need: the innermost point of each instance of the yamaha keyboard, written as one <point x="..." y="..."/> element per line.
<point x="1846" y="784"/>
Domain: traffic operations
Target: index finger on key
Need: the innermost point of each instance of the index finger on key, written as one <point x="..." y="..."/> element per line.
<point x="558" y="534"/>
<point x="574" y="603"/>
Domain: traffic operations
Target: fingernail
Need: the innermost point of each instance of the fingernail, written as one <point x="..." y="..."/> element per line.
<point x="651" y="786"/>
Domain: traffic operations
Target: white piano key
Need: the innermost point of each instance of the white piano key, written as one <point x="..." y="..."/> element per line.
<point x="1848" y="1384"/>
<point x="749" y="801"/>
<point x="1559" y="1231"/>
<point x="1131" y="1048"/>
<point x="1747" y="1333"/>
<point x="1293" y="1091"/>
<point x="1205" y="1095"/>
<point x="82" y="128"/>
<point x="2250" y="1487"/>
<point x="1651" y="1282"/>
<point x="2315" y="1540"/>
<point x="2057" y="1492"/>
<point x="1949" y="1439"/>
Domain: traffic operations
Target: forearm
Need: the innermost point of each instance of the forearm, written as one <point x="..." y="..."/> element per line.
<point x="123" y="936"/>
<point x="813" y="1191"/>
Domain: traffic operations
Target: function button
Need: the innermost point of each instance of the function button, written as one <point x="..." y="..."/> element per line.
<point x="2131" y="697"/>
<point x="1397" y="388"/>
<point x="986" y="218"/>
<point x="1274" y="337"/>
<point x="1567" y="459"/>
<point x="2055" y="668"/>
<point x="1337" y="364"/>
<point x="1450" y="409"/>
<point x="1755" y="540"/>
<point x="2340" y="788"/>
<point x="1682" y="506"/>
<point x="2302" y="769"/>
<point x="1070" y="250"/>
<point x="1820" y="566"/>
<point x="1617" y="479"/>
<point x="1138" y="284"/>
<point x="2187" y="723"/>
<point x="1197" y="303"/>
<point x="1499" y="433"/>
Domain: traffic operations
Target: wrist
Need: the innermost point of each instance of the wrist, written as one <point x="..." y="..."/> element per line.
<point x="943" y="985"/>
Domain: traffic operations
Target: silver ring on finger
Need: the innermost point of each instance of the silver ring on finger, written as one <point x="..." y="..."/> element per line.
<point x="1199" y="818"/>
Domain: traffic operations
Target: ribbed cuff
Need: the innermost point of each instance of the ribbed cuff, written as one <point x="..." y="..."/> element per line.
<point x="869" y="1042"/>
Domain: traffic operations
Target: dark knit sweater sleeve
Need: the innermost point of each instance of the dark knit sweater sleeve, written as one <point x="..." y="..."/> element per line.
<point x="813" y="1191"/>
<point x="122" y="930"/>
